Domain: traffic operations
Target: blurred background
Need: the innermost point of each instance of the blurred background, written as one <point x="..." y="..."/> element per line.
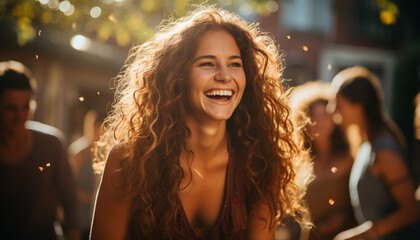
<point x="75" y="47"/>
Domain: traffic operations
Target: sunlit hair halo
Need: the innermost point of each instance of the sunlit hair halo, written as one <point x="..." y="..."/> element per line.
<point x="147" y="121"/>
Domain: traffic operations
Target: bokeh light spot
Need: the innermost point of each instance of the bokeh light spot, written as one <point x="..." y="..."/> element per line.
<point x="95" y="12"/>
<point x="64" y="6"/>
<point x="245" y="9"/>
<point x="80" y="42"/>
<point x="388" y="18"/>
<point x="272" y="6"/>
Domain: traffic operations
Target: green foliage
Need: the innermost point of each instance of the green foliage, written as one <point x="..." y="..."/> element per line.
<point x="119" y="21"/>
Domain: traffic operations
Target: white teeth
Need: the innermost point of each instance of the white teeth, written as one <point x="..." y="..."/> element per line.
<point x="222" y="93"/>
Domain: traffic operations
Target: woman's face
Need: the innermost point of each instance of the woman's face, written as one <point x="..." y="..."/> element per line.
<point x="349" y="112"/>
<point x="323" y="123"/>
<point x="217" y="78"/>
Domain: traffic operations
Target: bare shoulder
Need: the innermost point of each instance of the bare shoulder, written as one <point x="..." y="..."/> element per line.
<point x="389" y="158"/>
<point x="390" y="164"/>
<point x="112" y="208"/>
<point x="112" y="178"/>
<point x="115" y="157"/>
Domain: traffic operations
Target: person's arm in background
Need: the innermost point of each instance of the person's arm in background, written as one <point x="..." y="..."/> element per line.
<point x="391" y="167"/>
<point x="112" y="210"/>
<point x="78" y="160"/>
<point x="68" y="196"/>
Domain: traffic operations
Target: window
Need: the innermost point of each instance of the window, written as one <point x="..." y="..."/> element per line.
<point x="307" y="15"/>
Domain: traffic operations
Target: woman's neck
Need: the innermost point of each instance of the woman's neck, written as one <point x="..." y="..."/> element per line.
<point x="363" y="132"/>
<point x="322" y="146"/>
<point x="207" y="141"/>
<point x="363" y="128"/>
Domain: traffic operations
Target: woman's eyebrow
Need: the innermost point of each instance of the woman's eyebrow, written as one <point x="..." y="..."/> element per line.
<point x="205" y="56"/>
<point x="235" y="57"/>
<point x="214" y="57"/>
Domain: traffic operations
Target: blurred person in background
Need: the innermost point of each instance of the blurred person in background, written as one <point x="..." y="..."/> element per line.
<point x="35" y="175"/>
<point x="328" y="196"/>
<point x="81" y="155"/>
<point x="200" y="144"/>
<point x="381" y="187"/>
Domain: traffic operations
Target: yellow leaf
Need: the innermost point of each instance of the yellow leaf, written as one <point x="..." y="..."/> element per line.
<point x="388" y="17"/>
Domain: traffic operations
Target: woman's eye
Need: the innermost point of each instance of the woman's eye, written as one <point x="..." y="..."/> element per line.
<point x="236" y="64"/>
<point x="206" y="64"/>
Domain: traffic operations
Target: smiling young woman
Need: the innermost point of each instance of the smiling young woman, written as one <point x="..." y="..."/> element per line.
<point x="200" y="144"/>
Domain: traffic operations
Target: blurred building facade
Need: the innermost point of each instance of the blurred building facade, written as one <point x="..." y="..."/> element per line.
<point x="322" y="37"/>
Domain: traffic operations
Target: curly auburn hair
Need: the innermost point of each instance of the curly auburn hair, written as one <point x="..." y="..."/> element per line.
<point x="147" y="122"/>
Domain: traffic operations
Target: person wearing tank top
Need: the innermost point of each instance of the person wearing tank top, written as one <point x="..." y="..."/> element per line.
<point x="200" y="144"/>
<point x="381" y="187"/>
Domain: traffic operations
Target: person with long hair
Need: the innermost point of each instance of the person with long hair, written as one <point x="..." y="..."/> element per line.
<point x="327" y="195"/>
<point x="200" y="144"/>
<point x="381" y="188"/>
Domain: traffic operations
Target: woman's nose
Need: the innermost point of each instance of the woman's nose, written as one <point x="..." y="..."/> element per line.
<point x="223" y="74"/>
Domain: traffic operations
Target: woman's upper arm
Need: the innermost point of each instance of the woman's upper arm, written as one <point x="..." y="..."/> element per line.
<point x="393" y="169"/>
<point x="112" y="210"/>
<point x="259" y="225"/>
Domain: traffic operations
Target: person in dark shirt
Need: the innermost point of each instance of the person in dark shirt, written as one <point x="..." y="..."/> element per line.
<point x="35" y="175"/>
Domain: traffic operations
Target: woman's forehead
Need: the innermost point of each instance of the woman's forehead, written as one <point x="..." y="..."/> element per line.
<point x="217" y="41"/>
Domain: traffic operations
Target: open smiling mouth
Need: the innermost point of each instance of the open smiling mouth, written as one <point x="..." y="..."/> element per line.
<point x="219" y="94"/>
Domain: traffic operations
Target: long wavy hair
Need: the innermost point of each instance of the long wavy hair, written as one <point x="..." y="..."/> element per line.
<point x="303" y="99"/>
<point x="359" y="85"/>
<point x="147" y="122"/>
